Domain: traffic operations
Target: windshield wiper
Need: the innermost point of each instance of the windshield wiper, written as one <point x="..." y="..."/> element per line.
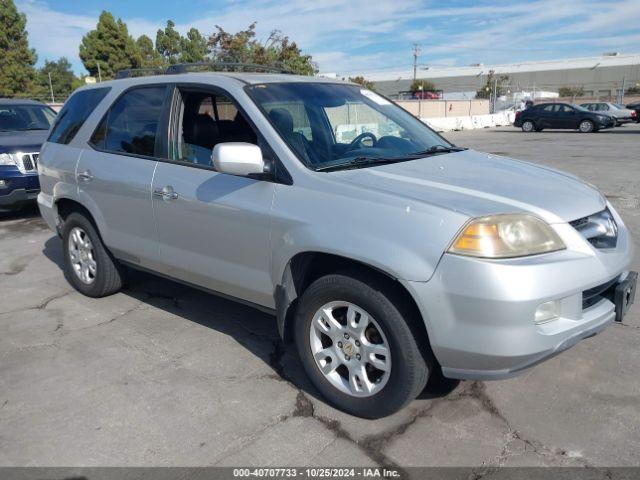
<point x="358" y="162"/>
<point x="437" y="149"/>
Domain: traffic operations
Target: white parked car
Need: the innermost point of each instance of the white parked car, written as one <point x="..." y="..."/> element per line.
<point x="619" y="112"/>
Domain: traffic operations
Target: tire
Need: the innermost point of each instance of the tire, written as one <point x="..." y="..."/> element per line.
<point x="528" y="126"/>
<point x="408" y="365"/>
<point x="106" y="277"/>
<point x="586" y="126"/>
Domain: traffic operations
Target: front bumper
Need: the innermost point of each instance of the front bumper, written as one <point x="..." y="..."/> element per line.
<point x="480" y="313"/>
<point x="610" y="122"/>
<point x="17" y="188"/>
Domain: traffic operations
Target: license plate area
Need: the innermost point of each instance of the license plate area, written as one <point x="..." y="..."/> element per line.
<point x="624" y="295"/>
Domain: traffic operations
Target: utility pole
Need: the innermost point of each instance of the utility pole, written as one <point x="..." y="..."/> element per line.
<point x="99" y="73"/>
<point x="621" y="96"/>
<point x="416" y="54"/>
<point x="495" y="93"/>
<point x="53" y="100"/>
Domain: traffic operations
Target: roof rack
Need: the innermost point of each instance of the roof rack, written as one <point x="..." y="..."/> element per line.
<point x="139" y="72"/>
<point x="226" y="67"/>
<point x="203" y="66"/>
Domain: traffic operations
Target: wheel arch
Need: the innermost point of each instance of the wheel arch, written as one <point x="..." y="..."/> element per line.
<point x="65" y="206"/>
<point x="306" y="267"/>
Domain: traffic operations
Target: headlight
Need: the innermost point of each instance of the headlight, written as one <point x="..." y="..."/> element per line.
<point x="8" y="159"/>
<point x="505" y="236"/>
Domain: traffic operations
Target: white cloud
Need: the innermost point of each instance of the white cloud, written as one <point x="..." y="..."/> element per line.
<point x="361" y="35"/>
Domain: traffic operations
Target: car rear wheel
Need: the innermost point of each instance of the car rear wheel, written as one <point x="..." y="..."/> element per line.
<point x="586" y="126"/>
<point x="528" y="126"/>
<point x="89" y="267"/>
<point x="357" y="347"/>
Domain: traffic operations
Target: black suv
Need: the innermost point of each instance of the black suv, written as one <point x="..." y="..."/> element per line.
<point x="635" y="106"/>
<point x="561" y="115"/>
<point x="24" y="125"/>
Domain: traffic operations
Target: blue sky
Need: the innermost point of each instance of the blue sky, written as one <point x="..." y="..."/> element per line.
<point x="360" y="36"/>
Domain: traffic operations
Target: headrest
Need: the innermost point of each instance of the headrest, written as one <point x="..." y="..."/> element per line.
<point x="201" y="131"/>
<point x="282" y="119"/>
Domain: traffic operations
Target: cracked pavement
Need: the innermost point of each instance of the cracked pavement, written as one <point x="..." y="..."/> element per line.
<point x="163" y="374"/>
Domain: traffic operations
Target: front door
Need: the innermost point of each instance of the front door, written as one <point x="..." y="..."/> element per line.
<point x="567" y="117"/>
<point x="213" y="228"/>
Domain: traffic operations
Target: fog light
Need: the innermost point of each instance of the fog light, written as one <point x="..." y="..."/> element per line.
<point x="547" y="312"/>
<point x="3" y="184"/>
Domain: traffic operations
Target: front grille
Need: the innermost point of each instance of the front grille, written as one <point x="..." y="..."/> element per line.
<point x="594" y="295"/>
<point x="599" y="229"/>
<point x="28" y="162"/>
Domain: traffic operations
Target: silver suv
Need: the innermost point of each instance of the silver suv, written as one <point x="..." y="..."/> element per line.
<point x="385" y="252"/>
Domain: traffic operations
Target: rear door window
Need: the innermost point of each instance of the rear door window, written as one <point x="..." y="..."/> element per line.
<point x="74" y="113"/>
<point x="132" y="124"/>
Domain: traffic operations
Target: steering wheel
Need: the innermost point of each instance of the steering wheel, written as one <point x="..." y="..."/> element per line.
<point x="358" y="140"/>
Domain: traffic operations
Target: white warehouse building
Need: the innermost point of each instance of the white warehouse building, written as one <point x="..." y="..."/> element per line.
<point x="601" y="76"/>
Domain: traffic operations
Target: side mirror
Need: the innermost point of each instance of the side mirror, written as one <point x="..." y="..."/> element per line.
<point x="238" y="158"/>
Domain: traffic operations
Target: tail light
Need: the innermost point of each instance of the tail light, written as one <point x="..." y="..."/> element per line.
<point x="634" y="114"/>
<point x="518" y="113"/>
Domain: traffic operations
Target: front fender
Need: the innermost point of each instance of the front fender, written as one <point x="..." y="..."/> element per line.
<point x="403" y="238"/>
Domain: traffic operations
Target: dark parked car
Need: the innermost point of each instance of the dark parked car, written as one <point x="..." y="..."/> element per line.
<point x="561" y="115"/>
<point x="23" y="129"/>
<point x="635" y="106"/>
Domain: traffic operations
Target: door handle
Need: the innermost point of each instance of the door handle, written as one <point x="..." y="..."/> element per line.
<point x="167" y="193"/>
<point x="85" y="176"/>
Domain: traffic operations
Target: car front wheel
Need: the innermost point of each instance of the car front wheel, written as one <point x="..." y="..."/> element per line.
<point x="586" y="126"/>
<point x="89" y="267"/>
<point x="358" y="348"/>
<point x="528" y="126"/>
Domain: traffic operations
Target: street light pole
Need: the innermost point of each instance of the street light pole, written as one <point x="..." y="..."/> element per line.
<point x="99" y="73"/>
<point x="53" y="100"/>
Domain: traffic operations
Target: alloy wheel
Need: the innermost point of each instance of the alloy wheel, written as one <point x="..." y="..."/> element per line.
<point x="528" y="126"/>
<point x="82" y="256"/>
<point x="350" y="349"/>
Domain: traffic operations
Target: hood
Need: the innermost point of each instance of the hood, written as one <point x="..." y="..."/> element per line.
<point x="479" y="184"/>
<point x="28" y="141"/>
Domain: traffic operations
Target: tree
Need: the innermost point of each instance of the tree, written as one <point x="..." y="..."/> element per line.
<point x="493" y="81"/>
<point x="168" y="43"/>
<point x="16" y="58"/>
<point x="360" y="80"/>
<point x="277" y="51"/>
<point x="193" y="47"/>
<point x="149" y="56"/>
<point x="63" y="81"/>
<point x="422" y="85"/>
<point x="572" y="92"/>
<point x="111" y="45"/>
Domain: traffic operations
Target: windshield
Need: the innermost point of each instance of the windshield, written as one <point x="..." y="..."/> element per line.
<point x="25" y="117"/>
<point x="328" y="125"/>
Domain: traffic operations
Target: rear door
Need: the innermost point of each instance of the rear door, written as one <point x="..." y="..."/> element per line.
<point x="115" y="174"/>
<point x="547" y="116"/>
<point x="213" y="228"/>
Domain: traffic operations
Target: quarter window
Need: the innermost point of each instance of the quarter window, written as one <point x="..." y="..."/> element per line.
<point x="74" y="113"/>
<point x="132" y="124"/>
